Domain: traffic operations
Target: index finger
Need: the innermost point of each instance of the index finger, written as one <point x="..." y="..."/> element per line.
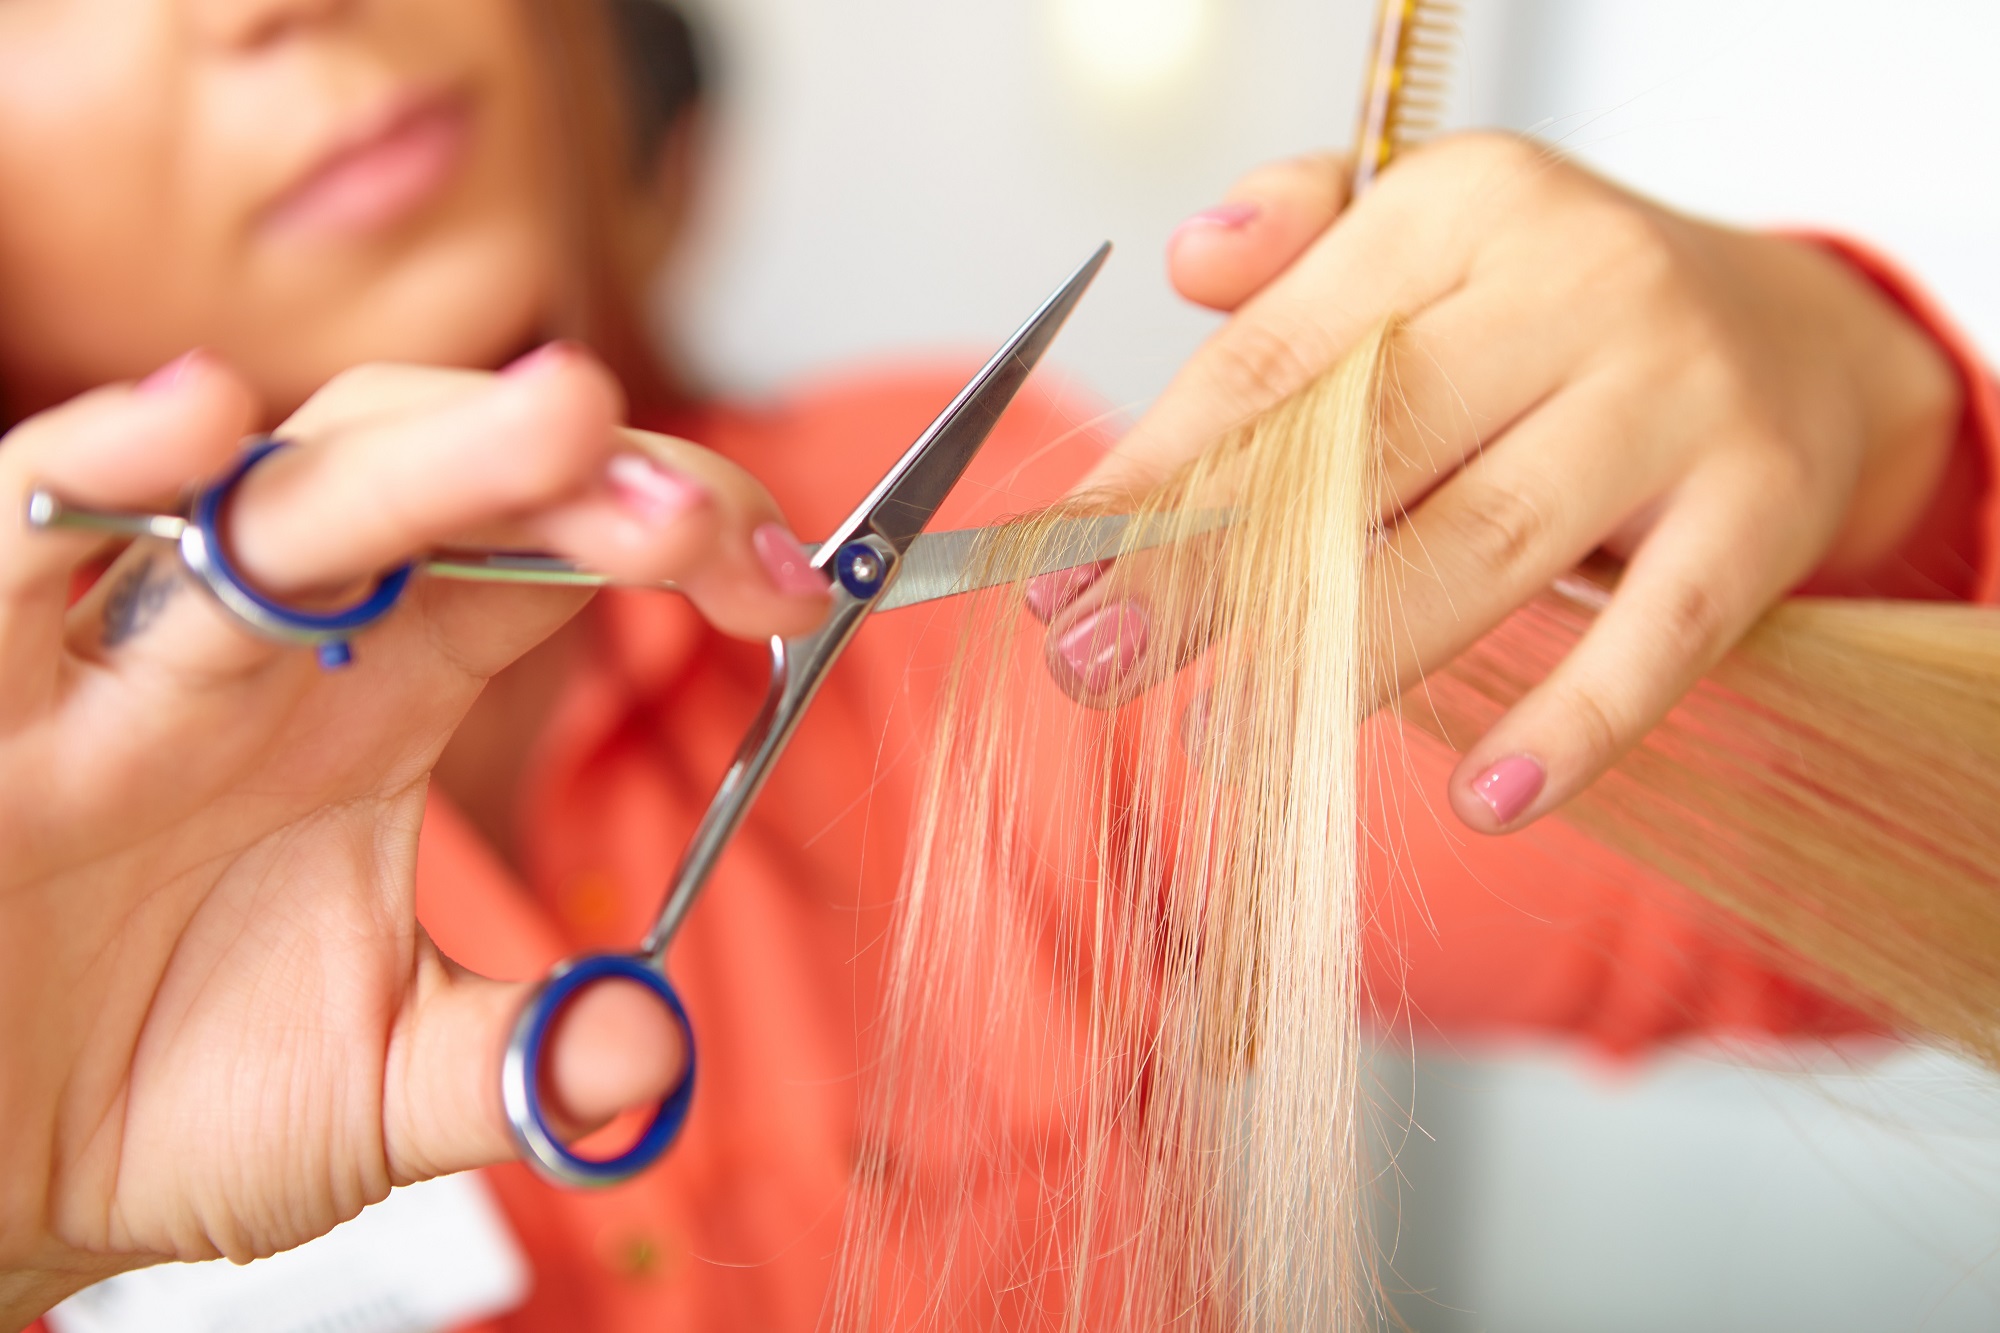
<point x="1399" y="249"/>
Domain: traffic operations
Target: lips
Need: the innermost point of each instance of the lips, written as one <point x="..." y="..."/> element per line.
<point x="397" y="161"/>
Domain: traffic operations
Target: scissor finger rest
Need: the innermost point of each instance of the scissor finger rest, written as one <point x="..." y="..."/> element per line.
<point x="521" y="1075"/>
<point x="206" y="554"/>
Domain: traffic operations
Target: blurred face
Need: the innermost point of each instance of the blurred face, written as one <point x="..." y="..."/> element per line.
<point x="297" y="185"/>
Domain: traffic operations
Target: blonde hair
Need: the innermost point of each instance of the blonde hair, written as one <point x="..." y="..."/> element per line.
<point x="1834" y="783"/>
<point x="1178" y="920"/>
<point x="1118" y="1073"/>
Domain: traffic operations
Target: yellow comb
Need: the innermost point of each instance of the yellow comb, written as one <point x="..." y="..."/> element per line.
<point x="1409" y="74"/>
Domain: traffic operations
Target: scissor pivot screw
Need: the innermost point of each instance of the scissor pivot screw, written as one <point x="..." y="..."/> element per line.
<point x="861" y="568"/>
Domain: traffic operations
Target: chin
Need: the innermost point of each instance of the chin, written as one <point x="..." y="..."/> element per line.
<point x="472" y="297"/>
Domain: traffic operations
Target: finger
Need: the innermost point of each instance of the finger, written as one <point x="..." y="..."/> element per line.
<point x="123" y="446"/>
<point x="1108" y="649"/>
<point x="1502" y="528"/>
<point x="626" y="528"/>
<point x="1710" y="567"/>
<point x="1460" y="375"/>
<point x="1402" y="247"/>
<point x="1116" y="630"/>
<point x="343" y="505"/>
<point x="1450" y="382"/>
<point x="537" y="448"/>
<point x="1222" y="256"/>
<point x="729" y="550"/>
<point x="615" y="1049"/>
<point x="358" y="498"/>
<point x="1524" y="511"/>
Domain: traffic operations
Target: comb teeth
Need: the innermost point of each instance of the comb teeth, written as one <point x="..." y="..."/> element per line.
<point x="1428" y="58"/>
<point x="1409" y="79"/>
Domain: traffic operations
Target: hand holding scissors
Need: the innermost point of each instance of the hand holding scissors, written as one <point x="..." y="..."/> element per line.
<point x="222" y="1029"/>
<point x="880" y="558"/>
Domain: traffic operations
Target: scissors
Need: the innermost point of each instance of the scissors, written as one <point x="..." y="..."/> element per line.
<point x="879" y="559"/>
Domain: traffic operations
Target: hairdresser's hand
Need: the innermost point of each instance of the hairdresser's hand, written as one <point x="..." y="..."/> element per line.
<point x="1579" y="369"/>
<point x="221" y="1030"/>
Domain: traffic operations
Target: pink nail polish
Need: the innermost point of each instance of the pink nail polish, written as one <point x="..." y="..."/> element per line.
<point x="1050" y="593"/>
<point x="1103" y="646"/>
<point x="1510" y="786"/>
<point x="649" y="491"/>
<point x="787" y="562"/>
<point x="545" y="355"/>
<point x="169" y="376"/>
<point x="1223" y="217"/>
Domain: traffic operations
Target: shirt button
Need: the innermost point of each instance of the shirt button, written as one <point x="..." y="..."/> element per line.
<point x="634" y="1255"/>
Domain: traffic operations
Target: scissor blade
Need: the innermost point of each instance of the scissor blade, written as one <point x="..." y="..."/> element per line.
<point x="905" y="501"/>
<point x="948" y="564"/>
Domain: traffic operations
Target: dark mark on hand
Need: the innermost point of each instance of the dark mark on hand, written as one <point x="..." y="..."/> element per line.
<point x="137" y="598"/>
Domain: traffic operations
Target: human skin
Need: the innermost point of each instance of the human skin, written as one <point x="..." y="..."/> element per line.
<point x="221" y="1030"/>
<point x="166" y="144"/>
<point x="1578" y="369"/>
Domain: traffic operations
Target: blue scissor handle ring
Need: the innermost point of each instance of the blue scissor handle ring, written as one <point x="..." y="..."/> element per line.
<point x="327" y="632"/>
<point x="520" y="1082"/>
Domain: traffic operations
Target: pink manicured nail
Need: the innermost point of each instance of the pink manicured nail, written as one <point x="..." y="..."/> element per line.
<point x="546" y="354"/>
<point x="1223" y="217"/>
<point x="1102" y="647"/>
<point x="171" y="374"/>
<point x="1050" y="593"/>
<point x="787" y="562"/>
<point x="650" y="492"/>
<point x="1510" y="786"/>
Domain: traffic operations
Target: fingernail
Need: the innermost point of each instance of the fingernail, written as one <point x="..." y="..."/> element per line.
<point x="1102" y="647"/>
<point x="1223" y="217"/>
<point x="1050" y="593"/>
<point x="650" y="492"/>
<point x="787" y="562"/>
<point x="1510" y="786"/>
<point x="170" y="375"/>
<point x="545" y="355"/>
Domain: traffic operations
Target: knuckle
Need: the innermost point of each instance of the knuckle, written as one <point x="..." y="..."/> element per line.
<point x="1781" y="471"/>
<point x="547" y="467"/>
<point x="1471" y="190"/>
<point x="1469" y="147"/>
<point x="1694" y="622"/>
<point x="1634" y="248"/>
<point x="1318" y="179"/>
<point x="1724" y="405"/>
<point x="364" y="381"/>
<point x="1257" y="363"/>
<point x="1480" y="166"/>
<point x="378" y="391"/>
<point x="1601" y="732"/>
<point x="1502" y="528"/>
<point x="1498" y="148"/>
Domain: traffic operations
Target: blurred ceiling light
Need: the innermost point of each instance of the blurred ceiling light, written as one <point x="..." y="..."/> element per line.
<point x="1129" y="46"/>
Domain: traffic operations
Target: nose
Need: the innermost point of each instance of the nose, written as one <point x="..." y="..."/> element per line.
<point x="248" y="24"/>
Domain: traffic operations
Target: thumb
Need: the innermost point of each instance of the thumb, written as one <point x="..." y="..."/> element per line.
<point x="1225" y="255"/>
<point x="614" y="1049"/>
